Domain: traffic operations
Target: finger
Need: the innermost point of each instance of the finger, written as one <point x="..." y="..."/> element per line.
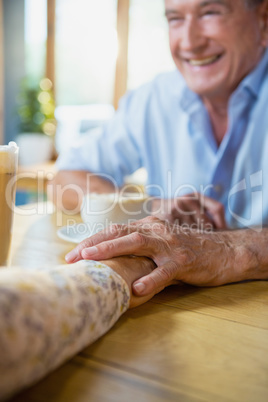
<point x="111" y="232"/>
<point x="191" y="215"/>
<point x="208" y="209"/>
<point x="201" y="220"/>
<point x="157" y="280"/>
<point x="216" y="210"/>
<point x="135" y="243"/>
<point x="182" y="212"/>
<point x="198" y="217"/>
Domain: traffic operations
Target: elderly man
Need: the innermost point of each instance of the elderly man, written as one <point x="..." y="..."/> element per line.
<point x="201" y="129"/>
<point x="208" y="126"/>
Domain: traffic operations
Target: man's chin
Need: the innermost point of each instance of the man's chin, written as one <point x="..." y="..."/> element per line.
<point x="206" y="91"/>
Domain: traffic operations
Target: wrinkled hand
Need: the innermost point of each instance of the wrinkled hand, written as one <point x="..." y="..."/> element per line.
<point x="202" y="259"/>
<point x="193" y="210"/>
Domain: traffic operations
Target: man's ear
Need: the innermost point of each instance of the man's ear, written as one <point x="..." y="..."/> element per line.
<point x="263" y="13"/>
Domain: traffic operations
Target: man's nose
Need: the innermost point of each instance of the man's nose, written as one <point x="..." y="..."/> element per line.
<point x="192" y="36"/>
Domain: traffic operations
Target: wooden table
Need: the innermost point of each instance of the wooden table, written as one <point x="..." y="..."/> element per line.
<point x="186" y="344"/>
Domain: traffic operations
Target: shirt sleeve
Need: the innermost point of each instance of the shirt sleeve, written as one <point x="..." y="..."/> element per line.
<point x="112" y="150"/>
<point x="49" y="315"/>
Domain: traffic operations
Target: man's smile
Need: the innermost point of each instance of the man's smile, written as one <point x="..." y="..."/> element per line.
<point x="203" y="61"/>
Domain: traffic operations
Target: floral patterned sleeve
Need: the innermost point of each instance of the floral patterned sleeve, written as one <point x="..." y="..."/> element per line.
<point x="48" y="315"/>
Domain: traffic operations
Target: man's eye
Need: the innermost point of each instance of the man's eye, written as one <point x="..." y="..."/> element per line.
<point x="174" y="19"/>
<point x="211" y="13"/>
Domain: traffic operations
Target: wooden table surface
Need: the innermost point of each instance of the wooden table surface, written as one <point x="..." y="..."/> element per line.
<point x="186" y="344"/>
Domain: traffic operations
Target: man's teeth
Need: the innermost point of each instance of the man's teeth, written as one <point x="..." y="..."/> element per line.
<point x="202" y="62"/>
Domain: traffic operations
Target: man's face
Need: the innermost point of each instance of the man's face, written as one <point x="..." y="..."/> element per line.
<point x="214" y="43"/>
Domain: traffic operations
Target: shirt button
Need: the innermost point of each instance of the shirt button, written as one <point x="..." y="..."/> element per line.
<point x="218" y="188"/>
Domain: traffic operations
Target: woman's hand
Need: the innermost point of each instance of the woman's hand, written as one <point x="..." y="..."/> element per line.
<point x="132" y="268"/>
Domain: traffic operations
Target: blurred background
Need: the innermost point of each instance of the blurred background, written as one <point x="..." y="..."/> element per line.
<point x="64" y="64"/>
<point x="92" y="51"/>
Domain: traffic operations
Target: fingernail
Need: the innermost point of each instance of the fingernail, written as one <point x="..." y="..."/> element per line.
<point x="139" y="288"/>
<point x="90" y="251"/>
<point x="72" y="256"/>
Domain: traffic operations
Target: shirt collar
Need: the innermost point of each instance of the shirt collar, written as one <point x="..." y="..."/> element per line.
<point x="189" y="100"/>
<point x="254" y="79"/>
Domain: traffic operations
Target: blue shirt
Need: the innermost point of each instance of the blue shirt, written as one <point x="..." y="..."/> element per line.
<point x="164" y="127"/>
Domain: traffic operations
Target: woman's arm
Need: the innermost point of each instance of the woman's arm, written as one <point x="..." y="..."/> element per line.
<point x="49" y="315"/>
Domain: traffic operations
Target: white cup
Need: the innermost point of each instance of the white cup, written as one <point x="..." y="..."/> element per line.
<point x="100" y="210"/>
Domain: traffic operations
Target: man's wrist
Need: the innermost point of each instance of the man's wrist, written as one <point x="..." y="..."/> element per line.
<point x="248" y="256"/>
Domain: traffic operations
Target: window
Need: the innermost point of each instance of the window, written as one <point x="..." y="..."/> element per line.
<point x="86" y="51"/>
<point x="148" y="47"/>
<point x="86" y="46"/>
<point x="35" y="38"/>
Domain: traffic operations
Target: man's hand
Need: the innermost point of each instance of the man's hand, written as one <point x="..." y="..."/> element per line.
<point x="192" y="210"/>
<point x="68" y="188"/>
<point x="201" y="259"/>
